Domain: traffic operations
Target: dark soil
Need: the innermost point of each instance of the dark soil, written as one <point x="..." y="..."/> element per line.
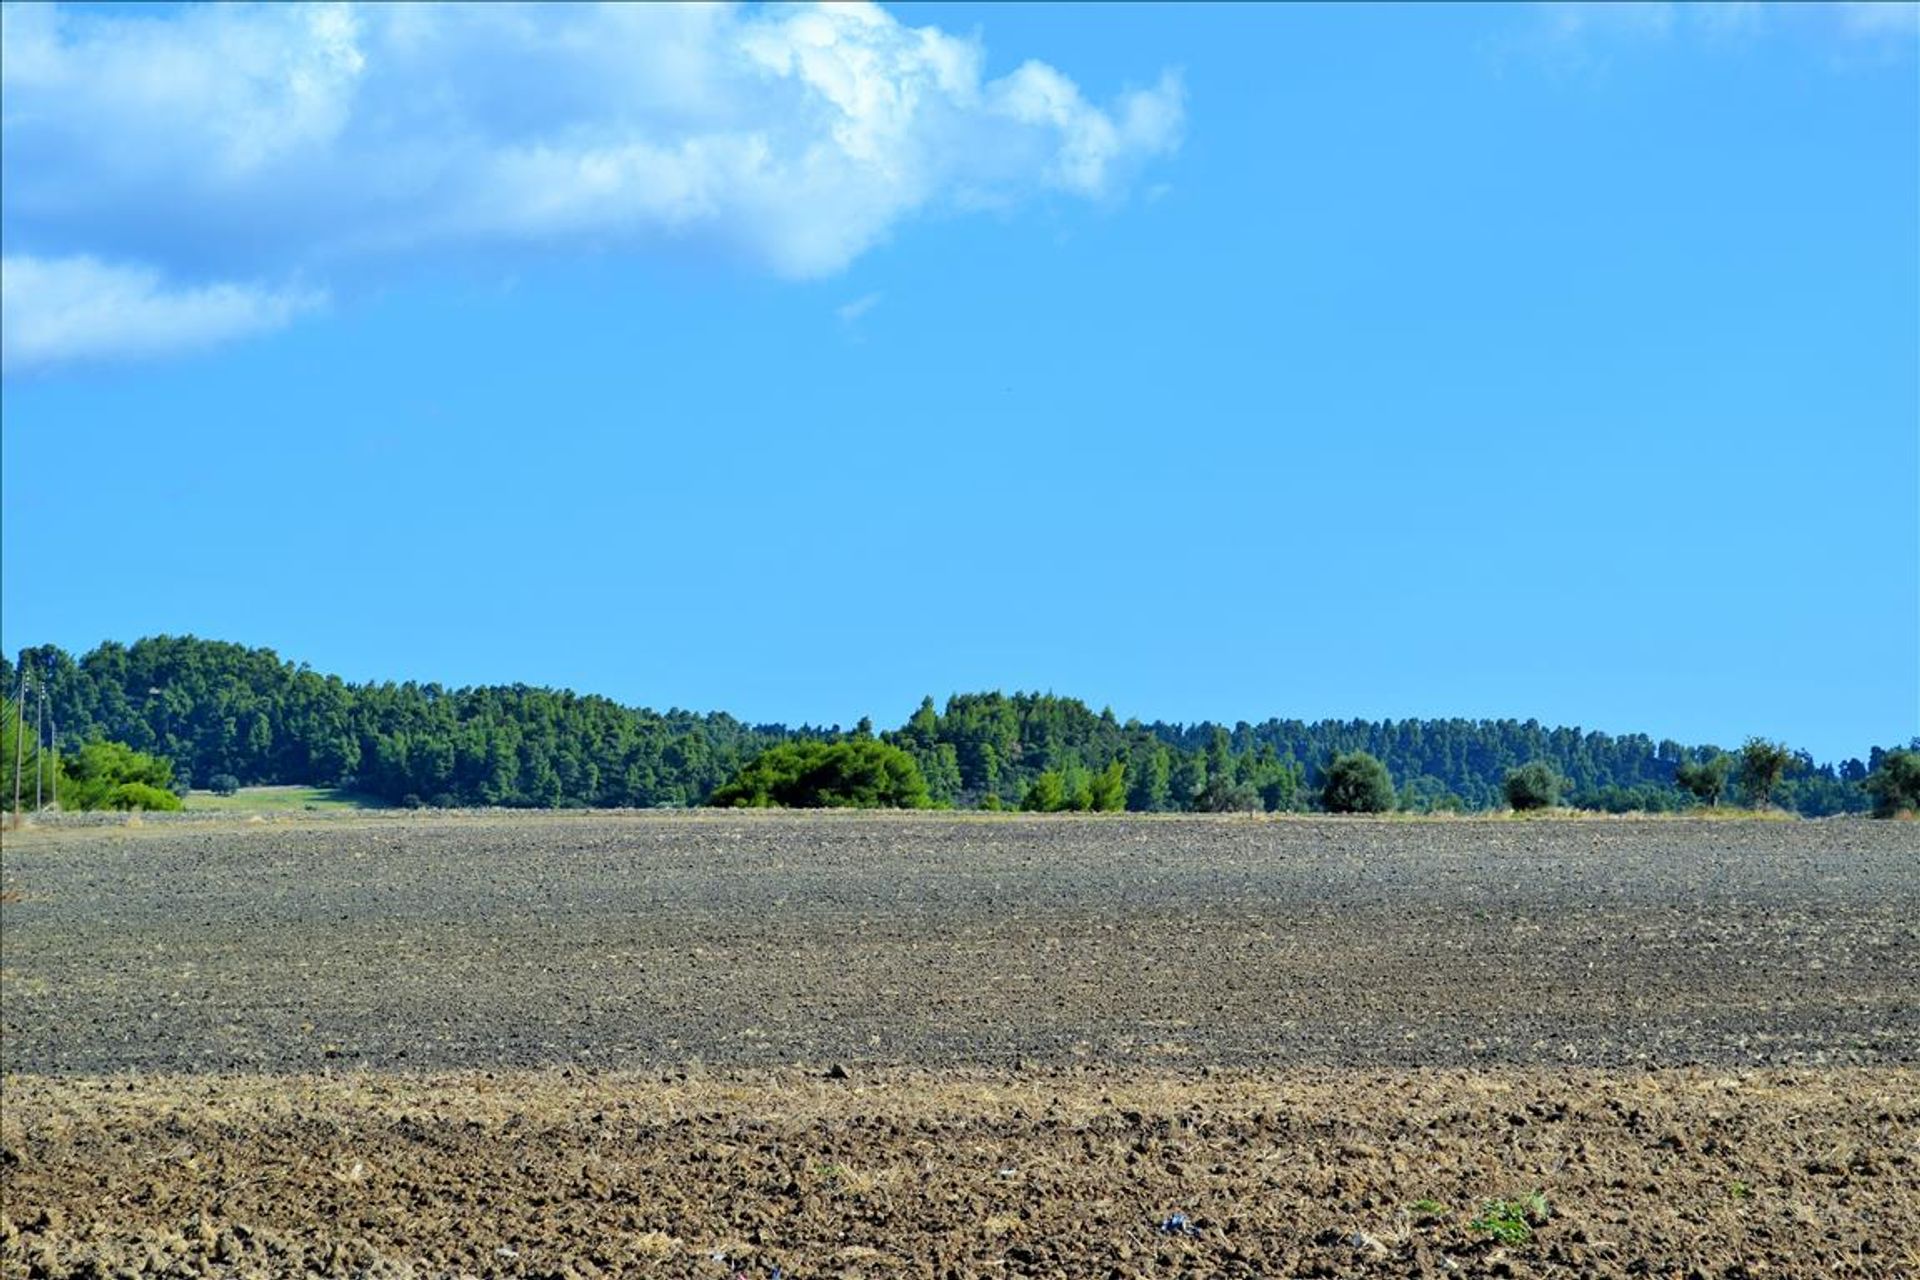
<point x="766" y="940"/>
<point x="717" y="1045"/>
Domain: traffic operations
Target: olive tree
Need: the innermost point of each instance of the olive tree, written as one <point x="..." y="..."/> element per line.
<point x="1704" y="780"/>
<point x="1357" y="783"/>
<point x="1534" y="785"/>
<point x="1762" y="765"/>
<point x="1895" y="785"/>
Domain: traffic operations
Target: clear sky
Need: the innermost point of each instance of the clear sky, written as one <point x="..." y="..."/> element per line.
<point x="1204" y="362"/>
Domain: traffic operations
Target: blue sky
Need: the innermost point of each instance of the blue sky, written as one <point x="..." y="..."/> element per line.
<point x="1207" y="362"/>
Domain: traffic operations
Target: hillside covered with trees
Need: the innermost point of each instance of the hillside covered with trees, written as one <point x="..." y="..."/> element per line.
<point x="218" y="709"/>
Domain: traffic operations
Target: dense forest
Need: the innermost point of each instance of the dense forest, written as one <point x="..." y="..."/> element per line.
<point x="218" y="709"/>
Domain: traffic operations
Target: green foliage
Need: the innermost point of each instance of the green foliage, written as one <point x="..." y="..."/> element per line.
<point x="112" y="775"/>
<point x="1108" y="790"/>
<point x="1150" y="784"/>
<point x="1357" y="783"/>
<point x="1704" y="780"/>
<point x="1224" y="795"/>
<point x="1534" y="785"/>
<point x="1073" y="789"/>
<point x="1511" y="1222"/>
<point x="859" y="773"/>
<point x="1047" y="793"/>
<point x="223" y="784"/>
<point x="33" y="762"/>
<point x="1895" y="785"/>
<point x="213" y="708"/>
<point x="1277" y="781"/>
<point x="138" y="795"/>
<point x="1762" y="765"/>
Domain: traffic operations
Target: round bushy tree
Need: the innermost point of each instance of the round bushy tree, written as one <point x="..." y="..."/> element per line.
<point x="1357" y="783"/>
<point x="138" y="795"/>
<point x="857" y="774"/>
<point x="1895" y="785"/>
<point x="1762" y="765"/>
<point x="223" y="784"/>
<point x="1704" y="780"/>
<point x="1534" y="785"/>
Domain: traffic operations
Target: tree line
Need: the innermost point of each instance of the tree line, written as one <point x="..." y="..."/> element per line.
<point x="214" y="709"/>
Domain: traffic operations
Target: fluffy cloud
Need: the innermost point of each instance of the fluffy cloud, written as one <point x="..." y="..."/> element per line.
<point x="56" y="310"/>
<point x="233" y="142"/>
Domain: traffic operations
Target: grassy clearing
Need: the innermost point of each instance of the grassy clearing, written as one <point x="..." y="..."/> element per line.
<point x="278" y="800"/>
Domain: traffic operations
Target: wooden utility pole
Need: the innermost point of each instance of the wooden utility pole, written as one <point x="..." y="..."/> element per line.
<point x="53" y="736"/>
<point x="19" y="737"/>
<point x="39" y="741"/>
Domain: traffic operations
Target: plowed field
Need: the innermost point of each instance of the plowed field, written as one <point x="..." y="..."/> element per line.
<point x="711" y="1045"/>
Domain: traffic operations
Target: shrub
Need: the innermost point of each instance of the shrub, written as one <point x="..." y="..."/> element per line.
<point x="1895" y="785"/>
<point x="1357" y="783"/>
<point x="97" y="775"/>
<point x="223" y="784"/>
<point x="1534" y="785"/>
<point x="1223" y="795"/>
<point x="860" y="773"/>
<point x="138" y="795"/>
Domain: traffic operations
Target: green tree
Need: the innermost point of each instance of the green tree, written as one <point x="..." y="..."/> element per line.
<point x="1533" y="785"/>
<point x="1276" y="780"/>
<point x="1078" y="784"/>
<point x="33" y="763"/>
<point x="1047" y="793"/>
<point x="1189" y="779"/>
<point x="941" y="766"/>
<point x="1895" y="785"/>
<point x="223" y="784"/>
<point x="1151" y="787"/>
<point x="112" y="775"/>
<point x="1223" y="795"/>
<point x="858" y="773"/>
<point x="1357" y="783"/>
<point x="1705" y="780"/>
<point x="1109" y="788"/>
<point x="1762" y="765"/>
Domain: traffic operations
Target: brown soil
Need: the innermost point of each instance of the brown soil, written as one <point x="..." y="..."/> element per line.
<point x="711" y="1045"/>
<point x="1068" y="1173"/>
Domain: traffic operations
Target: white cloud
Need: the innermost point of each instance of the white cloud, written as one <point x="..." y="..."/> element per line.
<point x="242" y="142"/>
<point x="1581" y="35"/>
<point x="1897" y="19"/>
<point x="852" y="311"/>
<point x="60" y="310"/>
<point x="1579" y="19"/>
